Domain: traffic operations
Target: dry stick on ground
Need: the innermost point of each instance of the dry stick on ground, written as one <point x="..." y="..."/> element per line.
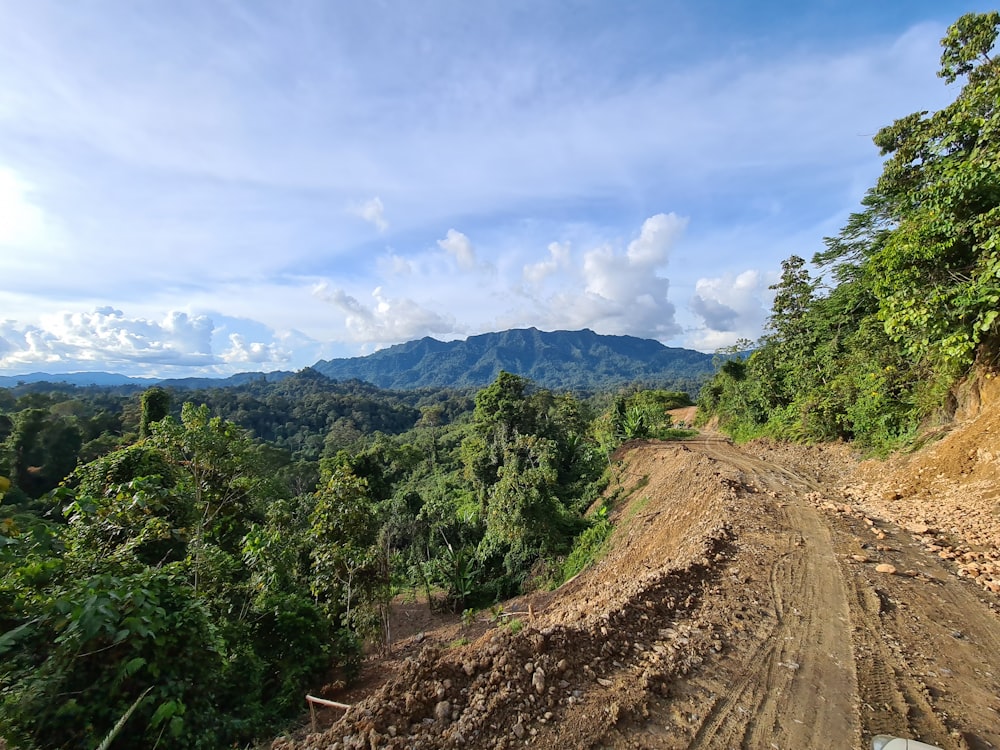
<point x="313" y="700"/>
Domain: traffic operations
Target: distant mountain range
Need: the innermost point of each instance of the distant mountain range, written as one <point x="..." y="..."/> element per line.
<point x="559" y="360"/>
<point x="578" y="360"/>
<point x="114" y="380"/>
<point x="109" y="379"/>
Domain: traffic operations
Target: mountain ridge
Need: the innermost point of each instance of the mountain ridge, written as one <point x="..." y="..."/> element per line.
<point x="558" y="359"/>
<point x="575" y="360"/>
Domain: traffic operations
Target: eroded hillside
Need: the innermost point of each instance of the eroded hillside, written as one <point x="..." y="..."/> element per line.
<point x="756" y="597"/>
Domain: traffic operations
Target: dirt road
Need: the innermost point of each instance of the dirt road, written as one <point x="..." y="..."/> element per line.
<point x="913" y="653"/>
<point x="743" y="604"/>
<point x="794" y="688"/>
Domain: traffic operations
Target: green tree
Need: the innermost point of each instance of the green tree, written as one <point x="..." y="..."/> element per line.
<point x="934" y="261"/>
<point x="225" y="474"/>
<point x="344" y="528"/>
<point x="155" y="403"/>
<point x="44" y="448"/>
<point x="528" y="465"/>
<point x="917" y="272"/>
<point x="171" y="580"/>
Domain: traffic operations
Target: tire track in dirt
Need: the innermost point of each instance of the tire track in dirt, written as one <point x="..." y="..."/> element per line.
<point x="926" y="643"/>
<point x="796" y="688"/>
<point x="927" y="649"/>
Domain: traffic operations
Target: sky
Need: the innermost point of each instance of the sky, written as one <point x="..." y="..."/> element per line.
<point x="203" y="187"/>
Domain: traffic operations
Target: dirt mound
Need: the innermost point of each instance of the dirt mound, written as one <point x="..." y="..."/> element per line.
<point x="599" y="644"/>
<point x="950" y="491"/>
<point x="758" y="596"/>
<point x="684" y="416"/>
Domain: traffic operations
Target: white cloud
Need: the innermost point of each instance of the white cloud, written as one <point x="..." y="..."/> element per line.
<point x="717" y="315"/>
<point x="241" y="351"/>
<point x="389" y="320"/>
<point x="614" y="287"/>
<point x="106" y="338"/>
<point x="612" y="290"/>
<point x="559" y="258"/>
<point x="730" y="307"/>
<point x="373" y="212"/>
<point x="659" y="233"/>
<point x="394" y="265"/>
<point x="460" y="247"/>
<point x="23" y="224"/>
<point x="105" y="335"/>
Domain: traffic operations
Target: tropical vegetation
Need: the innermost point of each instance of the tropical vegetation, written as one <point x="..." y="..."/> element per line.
<point x="905" y="299"/>
<point x="169" y="577"/>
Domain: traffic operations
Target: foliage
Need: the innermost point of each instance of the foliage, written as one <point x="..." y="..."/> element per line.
<point x="589" y="546"/>
<point x="310" y="415"/>
<point x="165" y="579"/>
<point x="641" y="413"/>
<point x="45" y="434"/>
<point x="186" y="584"/>
<point x="344" y="531"/>
<point x="529" y="463"/>
<point x="916" y="293"/>
<point x="155" y="404"/>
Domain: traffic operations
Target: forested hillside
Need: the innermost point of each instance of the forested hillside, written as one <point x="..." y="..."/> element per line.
<point x="580" y="360"/>
<point x="179" y="567"/>
<point x="905" y="299"/>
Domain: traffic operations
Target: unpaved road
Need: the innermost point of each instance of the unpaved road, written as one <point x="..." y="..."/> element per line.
<point x="741" y="605"/>
<point x="794" y="687"/>
<point x="853" y="652"/>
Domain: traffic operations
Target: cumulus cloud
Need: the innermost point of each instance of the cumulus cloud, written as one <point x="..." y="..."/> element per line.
<point x="730" y="307"/>
<point x="106" y="338"/>
<point x="613" y="287"/>
<point x="242" y="351"/>
<point x="373" y="212"/>
<point x="659" y="233"/>
<point x="559" y="258"/>
<point x="717" y="316"/>
<point x="460" y="247"/>
<point x="612" y="290"/>
<point x="389" y="320"/>
<point x="105" y="335"/>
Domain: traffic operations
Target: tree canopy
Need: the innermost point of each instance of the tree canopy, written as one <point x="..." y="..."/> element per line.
<point x="197" y="580"/>
<point x="915" y="274"/>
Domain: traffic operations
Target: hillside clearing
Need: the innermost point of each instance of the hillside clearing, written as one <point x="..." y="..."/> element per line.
<point x="759" y="596"/>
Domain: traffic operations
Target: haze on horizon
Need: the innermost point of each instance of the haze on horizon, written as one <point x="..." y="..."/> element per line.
<point x="202" y="188"/>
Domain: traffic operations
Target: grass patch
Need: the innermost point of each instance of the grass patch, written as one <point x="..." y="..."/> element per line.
<point x="676" y="433"/>
<point x="588" y="548"/>
<point x="641" y="484"/>
<point x="592" y="544"/>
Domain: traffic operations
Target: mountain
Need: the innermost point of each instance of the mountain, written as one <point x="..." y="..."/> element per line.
<point x="108" y="379"/>
<point x="240" y="378"/>
<point x="112" y="379"/>
<point x="580" y="360"/>
<point x="562" y="360"/>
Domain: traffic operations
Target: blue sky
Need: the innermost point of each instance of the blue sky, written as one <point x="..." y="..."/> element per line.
<point x="213" y="186"/>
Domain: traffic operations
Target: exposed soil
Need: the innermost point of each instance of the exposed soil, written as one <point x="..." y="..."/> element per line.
<point x="763" y="596"/>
